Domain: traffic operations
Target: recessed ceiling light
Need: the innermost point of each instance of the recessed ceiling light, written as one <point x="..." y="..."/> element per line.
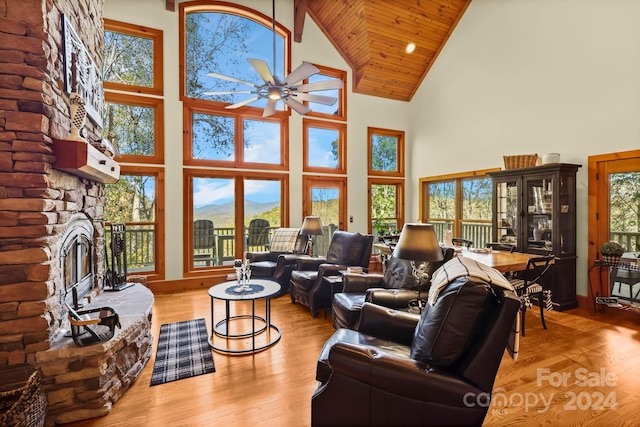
<point x="410" y="47"/>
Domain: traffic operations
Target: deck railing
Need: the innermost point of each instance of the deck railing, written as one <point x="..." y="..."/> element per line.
<point x="630" y="241"/>
<point x="478" y="233"/>
<point x="141" y="240"/>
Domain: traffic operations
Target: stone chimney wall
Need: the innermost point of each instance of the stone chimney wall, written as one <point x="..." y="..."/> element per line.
<point x="36" y="200"/>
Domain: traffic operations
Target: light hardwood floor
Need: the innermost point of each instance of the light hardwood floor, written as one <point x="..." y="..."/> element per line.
<point x="579" y="364"/>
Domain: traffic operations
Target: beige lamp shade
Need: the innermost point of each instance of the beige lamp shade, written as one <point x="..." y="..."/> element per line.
<point x="312" y="226"/>
<point x="418" y="242"/>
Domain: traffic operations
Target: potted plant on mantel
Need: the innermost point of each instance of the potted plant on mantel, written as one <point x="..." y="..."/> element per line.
<point x="611" y="252"/>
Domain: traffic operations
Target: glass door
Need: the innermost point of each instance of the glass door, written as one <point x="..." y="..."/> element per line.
<point x="539" y="214"/>
<point x="325" y="198"/>
<point x="507" y="210"/>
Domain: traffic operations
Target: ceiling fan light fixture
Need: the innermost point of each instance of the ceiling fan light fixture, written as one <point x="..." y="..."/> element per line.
<point x="273" y="92"/>
<point x="286" y="90"/>
<point x="410" y="48"/>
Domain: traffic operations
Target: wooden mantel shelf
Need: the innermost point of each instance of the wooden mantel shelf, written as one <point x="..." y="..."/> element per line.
<point x="83" y="159"/>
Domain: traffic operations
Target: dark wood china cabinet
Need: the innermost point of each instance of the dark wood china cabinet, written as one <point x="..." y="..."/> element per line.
<point x="535" y="209"/>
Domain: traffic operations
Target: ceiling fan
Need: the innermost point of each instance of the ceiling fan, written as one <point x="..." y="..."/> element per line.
<point x="289" y="90"/>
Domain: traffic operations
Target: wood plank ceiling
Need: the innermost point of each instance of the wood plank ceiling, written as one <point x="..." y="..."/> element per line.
<point x="371" y="35"/>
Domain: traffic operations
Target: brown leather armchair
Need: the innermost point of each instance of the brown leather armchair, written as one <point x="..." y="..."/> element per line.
<point x="401" y="369"/>
<point x="286" y="246"/>
<point x="345" y="250"/>
<point x="394" y="289"/>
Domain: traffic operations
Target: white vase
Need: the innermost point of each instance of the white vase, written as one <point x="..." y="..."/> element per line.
<point x="448" y="238"/>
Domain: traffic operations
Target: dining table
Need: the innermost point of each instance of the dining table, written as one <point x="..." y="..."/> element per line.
<point x="502" y="261"/>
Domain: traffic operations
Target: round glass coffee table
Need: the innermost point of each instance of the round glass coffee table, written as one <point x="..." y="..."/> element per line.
<point x="228" y="292"/>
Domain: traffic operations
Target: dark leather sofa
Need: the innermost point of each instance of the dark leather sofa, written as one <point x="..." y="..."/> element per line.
<point x="394" y="289"/>
<point x="399" y="369"/>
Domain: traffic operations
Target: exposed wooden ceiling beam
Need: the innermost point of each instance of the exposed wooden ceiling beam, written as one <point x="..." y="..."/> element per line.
<point x="170" y="5"/>
<point x="299" y="12"/>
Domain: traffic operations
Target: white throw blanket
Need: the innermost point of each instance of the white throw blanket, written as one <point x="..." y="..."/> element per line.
<point x="460" y="266"/>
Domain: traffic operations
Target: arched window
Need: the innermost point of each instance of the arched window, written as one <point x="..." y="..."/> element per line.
<point x="219" y="38"/>
<point x="236" y="160"/>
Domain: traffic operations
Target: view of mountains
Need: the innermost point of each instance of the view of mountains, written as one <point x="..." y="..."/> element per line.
<point x="223" y="214"/>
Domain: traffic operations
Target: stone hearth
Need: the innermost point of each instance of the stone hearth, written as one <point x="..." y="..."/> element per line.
<point x="88" y="380"/>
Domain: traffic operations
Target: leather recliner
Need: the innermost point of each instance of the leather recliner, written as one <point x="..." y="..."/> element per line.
<point x="279" y="261"/>
<point x="403" y="369"/>
<point x="346" y="249"/>
<point x="394" y="289"/>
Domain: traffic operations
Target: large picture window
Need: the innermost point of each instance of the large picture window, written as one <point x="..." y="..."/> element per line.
<point x="223" y="139"/>
<point x="222" y="206"/>
<point x="133" y="120"/>
<point x="460" y="203"/>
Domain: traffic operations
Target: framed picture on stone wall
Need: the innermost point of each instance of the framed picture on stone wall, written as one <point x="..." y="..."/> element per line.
<point x="81" y="75"/>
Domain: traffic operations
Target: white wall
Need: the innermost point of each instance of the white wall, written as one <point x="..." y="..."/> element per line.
<point x="363" y="111"/>
<point x="523" y="76"/>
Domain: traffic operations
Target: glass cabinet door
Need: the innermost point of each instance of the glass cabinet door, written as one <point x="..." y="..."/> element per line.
<point x="539" y="216"/>
<point x="507" y="211"/>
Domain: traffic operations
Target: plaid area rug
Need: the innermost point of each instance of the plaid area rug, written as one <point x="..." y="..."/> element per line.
<point x="183" y="352"/>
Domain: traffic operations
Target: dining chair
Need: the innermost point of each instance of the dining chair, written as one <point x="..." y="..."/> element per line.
<point x="505" y="247"/>
<point x="459" y="241"/>
<point x="527" y="284"/>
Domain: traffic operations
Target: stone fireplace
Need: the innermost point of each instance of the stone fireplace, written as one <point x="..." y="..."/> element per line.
<point x="76" y="260"/>
<point x="52" y="226"/>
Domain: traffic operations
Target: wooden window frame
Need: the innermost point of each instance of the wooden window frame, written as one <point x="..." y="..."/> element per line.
<point x="158" y="172"/>
<point x="399" y="183"/>
<point x="310" y="181"/>
<point x="243" y="12"/>
<point x="141" y="32"/>
<point x="457" y="178"/>
<point x="189" y="108"/>
<point x="238" y="177"/>
<point x="158" y="124"/>
<point x="341" y="128"/>
<point x="399" y="154"/>
<point x="342" y="94"/>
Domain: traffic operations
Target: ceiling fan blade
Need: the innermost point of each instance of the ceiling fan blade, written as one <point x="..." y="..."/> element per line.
<point x="321" y="85"/>
<point x="320" y="99"/>
<point x="270" y="109"/>
<point x="242" y="103"/>
<point x="297" y="106"/>
<point x="303" y="71"/>
<point x="262" y="69"/>
<point x="231" y="79"/>
<point x="228" y="92"/>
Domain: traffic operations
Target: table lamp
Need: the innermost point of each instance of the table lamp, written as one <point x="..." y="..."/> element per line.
<point x="312" y="226"/>
<point x="418" y="243"/>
